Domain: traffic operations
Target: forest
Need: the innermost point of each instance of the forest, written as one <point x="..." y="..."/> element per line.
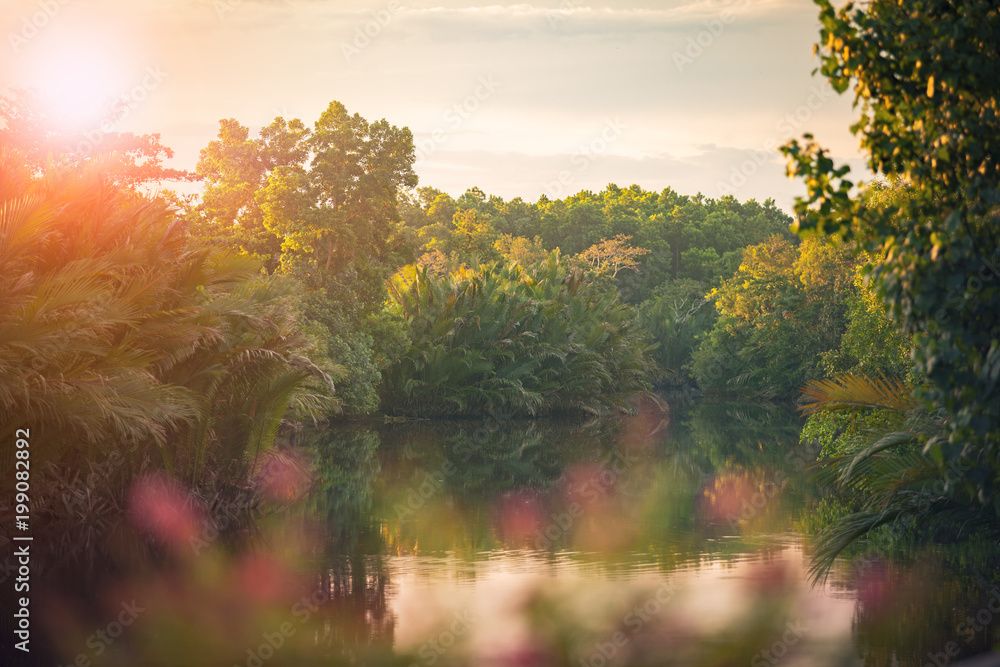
<point x="313" y="281"/>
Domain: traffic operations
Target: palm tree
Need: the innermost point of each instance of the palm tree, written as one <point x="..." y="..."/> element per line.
<point x="118" y="331"/>
<point x="522" y="341"/>
<point x="885" y="476"/>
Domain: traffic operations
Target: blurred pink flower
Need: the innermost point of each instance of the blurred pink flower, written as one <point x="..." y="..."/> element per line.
<point x="164" y="509"/>
<point x="283" y="476"/>
<point x="519" y="515"/>
<point x="264" y="578"/>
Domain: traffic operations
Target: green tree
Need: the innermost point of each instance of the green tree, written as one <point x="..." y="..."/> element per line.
<point x="473" y="236"/>
<point x="923" y="75"/>
<point x="872" y="344"/>
<point x="782" y="310"/>
<point x="441" y="210"/>
<point x="235" y="168"/>
<point x="342" y="205"/>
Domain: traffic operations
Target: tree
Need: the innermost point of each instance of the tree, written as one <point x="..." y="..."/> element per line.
<point x="473" y="237"/>
<point x="435" y="262"/>
<point x="129" y="159"/>
<point x="521" y="250"/>
<point x="924" y="75"/>
<point x="441" y="210"/>
<point x="235" y="168"/>
<point x="783" y="309"/>
<point x="613" y="255"/>
<point x="342" y="206"/>
<point x="872" y="344"/>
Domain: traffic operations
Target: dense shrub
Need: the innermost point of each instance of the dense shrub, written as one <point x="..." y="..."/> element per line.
<point x="515" y="340"/>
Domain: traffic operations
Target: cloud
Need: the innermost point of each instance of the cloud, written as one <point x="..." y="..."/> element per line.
<point x="566" y="68"/>
<point x="572" y="20"/>
<point x="715" y="171"/>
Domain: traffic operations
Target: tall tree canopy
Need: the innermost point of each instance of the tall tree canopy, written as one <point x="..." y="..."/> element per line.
<point x="343" y="204"/>
<point x="318" y="204"/>
<point x="313" y="199"/>
<point x="235" y="167"/>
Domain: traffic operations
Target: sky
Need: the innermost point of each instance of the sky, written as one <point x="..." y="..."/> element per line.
<point x="517" y="99"/>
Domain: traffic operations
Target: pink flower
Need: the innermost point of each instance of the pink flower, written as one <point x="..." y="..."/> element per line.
<point x="519" y="515"/>
<point x="283" y="476"/>
<point x="164" y="509"/>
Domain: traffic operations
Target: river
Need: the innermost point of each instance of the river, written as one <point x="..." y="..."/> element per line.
<point x="673" y="536"/>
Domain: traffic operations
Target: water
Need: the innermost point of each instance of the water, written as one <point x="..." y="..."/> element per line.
<point x="708" y="499"/>
<point x="671" y="537"/>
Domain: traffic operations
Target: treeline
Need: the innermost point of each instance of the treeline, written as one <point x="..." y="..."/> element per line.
<point x="659" y="252"/>
<point x="339" y="196"/>
<point x="688" y="238"/>
<point x="311" y="278"/>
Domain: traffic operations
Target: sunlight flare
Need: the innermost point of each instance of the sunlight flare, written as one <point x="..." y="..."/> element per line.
<point x="79" y="83"/>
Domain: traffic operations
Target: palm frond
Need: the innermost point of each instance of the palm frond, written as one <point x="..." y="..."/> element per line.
<point x="851" y="392"/>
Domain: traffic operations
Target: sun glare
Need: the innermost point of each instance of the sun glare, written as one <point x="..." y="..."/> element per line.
<point x="78" y="84"/>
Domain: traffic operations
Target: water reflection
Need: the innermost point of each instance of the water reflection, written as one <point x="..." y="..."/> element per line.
<point x="465" y="510"/>
<point x="668" y="537"/>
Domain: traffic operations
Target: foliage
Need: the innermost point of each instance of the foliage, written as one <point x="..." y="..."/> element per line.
<point x="837" y="433"/>
<point x="514" y="340"/>
<point x="610" y="256"/>
<point x="130" y="159"/>
<point x="320" y="205"/>
<point x="234" y="168"/>
<point x="676" y="315"/>
<point x="520" y="249"/>
<point x="777" y="315"/>
<point x="882" y="474"/>
<point x="851" y="391"/>
<point x="923" y="75"/>
<point x="872" y="343"/>
<point x="120" y="334"/>
<point x="435" y="262"/>
<point x="665" y="238"/>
